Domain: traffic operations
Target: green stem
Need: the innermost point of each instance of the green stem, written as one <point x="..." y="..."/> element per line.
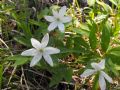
<point x="95" y="83"/>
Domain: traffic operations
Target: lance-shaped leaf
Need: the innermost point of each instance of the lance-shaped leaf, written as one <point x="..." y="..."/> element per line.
<point x="92" y="35"/>
<point x="105" y="38"/>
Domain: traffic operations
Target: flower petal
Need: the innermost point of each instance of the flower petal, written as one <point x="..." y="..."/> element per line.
<point x="50" y="18"/>
<point x="29" y="52"/>
<point x="95" y="66"/>
<point x="108" y="78"/>
<point x="48" y="59"/>
<point x="45" y="40"/>
<point x="61" y="27"/>
<point x="87" y="73"/>
<point x="35" y="43"/>
<point x="102" y="82"/>
<point x="51" y="50"/>
<point x="55" y="14"/>
<point x="52" y="26"/>
<point x="102" y="64"/>
<point x="62" y="11"/>
<point x="66" y="19"/>
<point x="36" y="59"/>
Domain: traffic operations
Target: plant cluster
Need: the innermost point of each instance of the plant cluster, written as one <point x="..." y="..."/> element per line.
<point x="60" y="44"/>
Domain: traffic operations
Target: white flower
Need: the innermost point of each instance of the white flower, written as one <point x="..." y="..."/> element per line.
<point x="39" y="50"/>
<point x="58" y="19"/>
<point x="98" y="67"/>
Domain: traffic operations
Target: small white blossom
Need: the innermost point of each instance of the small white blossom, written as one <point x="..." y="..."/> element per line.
<point x="98" y="67"/>
<point x="58" y="19"/>
<point x="39" y="50"/>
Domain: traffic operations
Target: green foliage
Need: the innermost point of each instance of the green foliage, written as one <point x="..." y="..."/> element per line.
<point x="1" y="75"/>
<point x="19" y="60"/>
<point x="88" y="38"/>
<point x="115" y="2"/>
<point x="95" y="84"/>
<point x="105" y="38"/>
<point x="92" y="36"/>
<point x="60" y="72"/>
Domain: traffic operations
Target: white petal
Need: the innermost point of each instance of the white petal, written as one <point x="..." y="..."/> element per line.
<point x="35" y="59"/>
<point x="55" y="14"/>
<point x="35" y="43"/>
<point x="102" y="82"/>
<point x="51" y="50"/>
<point x="108" y="78"/>
<point x="66" y="19"/>
<point x="62" y="11"/>
<point x="50" y="18"/>
<point x="95" y="66"/>
<point x="45" y="40"/>
<point x="102" y="64"/>
<point x="29" y="52"/>
<point x="87" y="73"/>
<point x="52" y="26"/>
<point x="61" y="27"/>
<point x="48" y="59"/>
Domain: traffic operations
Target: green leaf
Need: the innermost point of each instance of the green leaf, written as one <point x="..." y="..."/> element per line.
<point x="115" y="2"/>
<point x="60" y="72"/>
<point x="105" y="38"/>
<point x="34" y="22"/>
<point x="114" y="55"/>
<point x="56" y="79"/>
<point x="19" y="60"/>
<point x="43" y="12"/>
<point x="114" y="51"/>
<point x="83" y="30"/>
<point x="79" y="41"/>
<point x="91" y="2"/>
<point x="112" y="67"/>
<point x="105" y="6"/>
<point x="1" y="74"/>
<point x="23" y="41"/>
<point x="92" y="36"/>
<point x="100" y="18"/>
<point x="65" y="50"/>
<point x="95" y="83"/>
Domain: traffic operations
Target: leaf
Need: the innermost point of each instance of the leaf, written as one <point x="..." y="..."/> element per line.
<point x="114" y="55"/>
<point x="23" y="41"/>
<point x="113" y="67"/>
<point x="105" y="38"/>
<point x="91" y="2"/>
<point x="79" y="41"/>
<point x="95" y="83"/>
<point x="115" y="2"/>
<point x="83" y="30"/>
<point x="34" y="22"/>
<point x="0" y="30"/>
<point x="92" y="36"/>
<point x="42" y="13"/>
<point x="1" y="74"/>
<point x="26" y="28"/>
<point x="19" y="60"/>
<point x="114" y="51"/>
<point x="100" y="18"/>
<point x="65" y="50"/>
<point x="56" y="79"/>
<point x="60" y="72"/>
<point x="105" y="6"/>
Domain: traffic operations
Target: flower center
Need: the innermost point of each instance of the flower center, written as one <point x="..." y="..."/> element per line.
<point x="41" y="50"/>
<point x="58" y="19"/>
